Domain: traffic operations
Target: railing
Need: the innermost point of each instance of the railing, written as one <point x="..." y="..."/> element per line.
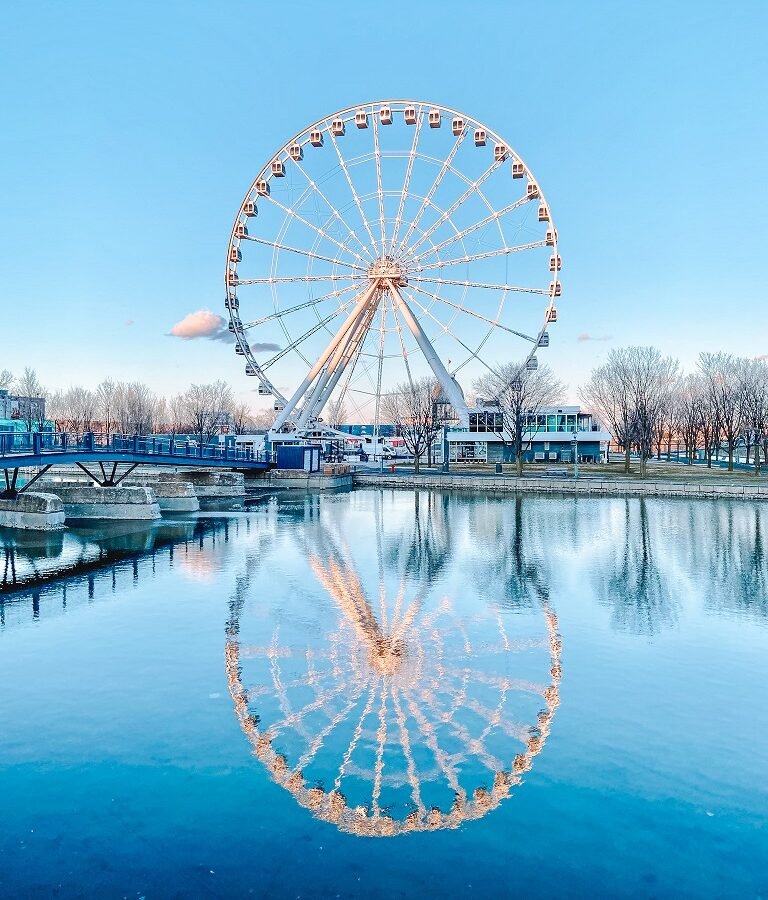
<point x="38" y="443"/>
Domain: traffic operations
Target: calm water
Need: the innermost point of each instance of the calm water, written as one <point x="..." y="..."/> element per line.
<point x="390" y="694"/>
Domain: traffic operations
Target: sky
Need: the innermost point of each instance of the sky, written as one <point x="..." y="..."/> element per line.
<point x="130" y="132"/>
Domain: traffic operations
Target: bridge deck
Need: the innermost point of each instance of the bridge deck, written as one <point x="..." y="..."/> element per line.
<point x="20" y="450"/>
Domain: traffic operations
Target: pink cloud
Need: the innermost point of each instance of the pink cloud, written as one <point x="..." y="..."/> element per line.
<point x="202" y="324"/>
<point x="128" y="322"/>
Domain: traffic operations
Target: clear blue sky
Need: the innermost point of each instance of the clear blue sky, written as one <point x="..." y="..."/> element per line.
<point x="130" y="132"/>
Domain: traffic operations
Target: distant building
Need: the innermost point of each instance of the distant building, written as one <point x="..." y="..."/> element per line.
<point x="15" y="411"/>
<point x="548" y="436"/>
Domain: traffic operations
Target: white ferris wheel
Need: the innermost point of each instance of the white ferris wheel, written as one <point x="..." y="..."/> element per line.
<point x="384" y="243"/>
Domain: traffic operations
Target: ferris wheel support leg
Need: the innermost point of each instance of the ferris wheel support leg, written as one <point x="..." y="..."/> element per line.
<point x="349" y="354"/>
<point x="324" y="357"/>
<point x="336" y="363"/>
<point x="450" y="387"/>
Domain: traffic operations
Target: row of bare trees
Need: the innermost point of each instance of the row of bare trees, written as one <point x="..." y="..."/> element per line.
<point x="649" y="404"/>
<point x="120" y="407"/>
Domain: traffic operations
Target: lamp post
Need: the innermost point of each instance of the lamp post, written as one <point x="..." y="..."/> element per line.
<point x="575" y="451"/>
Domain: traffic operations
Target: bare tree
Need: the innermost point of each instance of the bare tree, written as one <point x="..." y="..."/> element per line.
<point x="208" y="408"/>
<point x="652" y="379"/>
<point x="691" y="408"/>
<point x="7" y="380"/>
<point x="134" y="403"/>
<point x="263" y="419"/>
<point x="242" y="418"/>
<point x="723" y="376"/>
<point x="77" y="410"/>
<point x="105" y="405"/>
<point x="336" y="412"/>
<point x="410" y="408"/>
<point x="516" y="393"/>
<point x="177" y="415"/>
<point x="607" y="394"/>
<point x="633" y="393"/>
<point x="32" y="406"/>
<point x="754" y="403"/>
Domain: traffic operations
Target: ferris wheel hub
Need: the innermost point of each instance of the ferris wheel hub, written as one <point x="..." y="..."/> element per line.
<point x="387" y="267"/>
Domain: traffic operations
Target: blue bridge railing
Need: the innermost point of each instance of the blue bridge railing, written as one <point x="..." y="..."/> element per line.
<point x="44" y="443"/>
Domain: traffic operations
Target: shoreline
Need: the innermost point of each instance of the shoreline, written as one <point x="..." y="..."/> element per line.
<point x="589" y="487"/>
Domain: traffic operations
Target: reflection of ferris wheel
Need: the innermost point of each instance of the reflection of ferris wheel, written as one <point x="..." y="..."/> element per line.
<point x="383" y="243"/>
<point x="400" y="711"/>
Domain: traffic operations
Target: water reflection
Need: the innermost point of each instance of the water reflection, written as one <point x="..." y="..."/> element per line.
<point x="633" y="579"/>
<point x="101" y="560"/>
<point x="388" y="697"/>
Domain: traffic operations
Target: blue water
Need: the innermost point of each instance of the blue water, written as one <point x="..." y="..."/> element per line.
<point x="390" y="694"/>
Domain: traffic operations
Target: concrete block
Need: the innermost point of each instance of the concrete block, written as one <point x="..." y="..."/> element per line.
<point x="171" y="495"/>
<point x="36" y="511"/>
<point x="209" y="484"/>
<point x="87" y="502"/>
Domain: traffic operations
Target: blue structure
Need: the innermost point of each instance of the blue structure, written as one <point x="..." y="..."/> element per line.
<point x="23" y="449"/>
<point x="304" y="457"/>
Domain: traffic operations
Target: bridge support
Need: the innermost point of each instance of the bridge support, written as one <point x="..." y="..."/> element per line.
<point x="111" y="480"/>
<point x="34" y="511"/>
<point x="11" y="491"/>
<point x="84" y="501"/>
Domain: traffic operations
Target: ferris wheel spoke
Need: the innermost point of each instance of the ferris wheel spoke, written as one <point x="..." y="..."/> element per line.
<point x="405" y="743"/>
<point x="475" y="315"/>
<point x="334" y="212"/>
<point x="307" y="334"/>
<point x="406" y="181"/>
<point x="311" y="752"/>
<point x="299" y="306"/>
<point x="321" y="231"/>
<point x="309" y="253"/>
<point x="460" y="260"/>
<point x="379" y="188"/>
<point x="355" y="197"/>
<point x="381" y="738"/>
<point x="446" y="329"/>
<point x="473" y="188"/>
<point x="441" y="757"/>
<point x="493" y="217"/>
<point x="433" y="189"/>
<point x="480" y="285"/>
<point x="356" y="735"/>
<point x="300" y="279"/>
<point x="474" y="746"/>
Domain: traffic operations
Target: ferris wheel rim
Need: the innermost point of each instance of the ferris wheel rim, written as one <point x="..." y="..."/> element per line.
<point x="347" y="114"/>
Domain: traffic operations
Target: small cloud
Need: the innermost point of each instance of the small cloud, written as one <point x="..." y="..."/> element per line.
<point x="128" y="322"/>
<point x="588" y="337"/>
<point x="265" y="348"/>
<point x="202" y="324"/>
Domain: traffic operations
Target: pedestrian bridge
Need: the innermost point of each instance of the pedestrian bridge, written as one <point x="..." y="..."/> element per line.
<point x="108" y="459"/>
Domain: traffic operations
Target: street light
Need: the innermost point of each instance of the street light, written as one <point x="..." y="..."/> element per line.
<point x="575" y="451"/>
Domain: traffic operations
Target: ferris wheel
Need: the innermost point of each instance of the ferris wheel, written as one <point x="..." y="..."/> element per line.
<point x="384" y="243"/>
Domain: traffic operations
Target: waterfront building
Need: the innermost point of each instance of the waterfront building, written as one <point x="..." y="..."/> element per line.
<point x="551" y="434"/>
<point x="16" y="411"/>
